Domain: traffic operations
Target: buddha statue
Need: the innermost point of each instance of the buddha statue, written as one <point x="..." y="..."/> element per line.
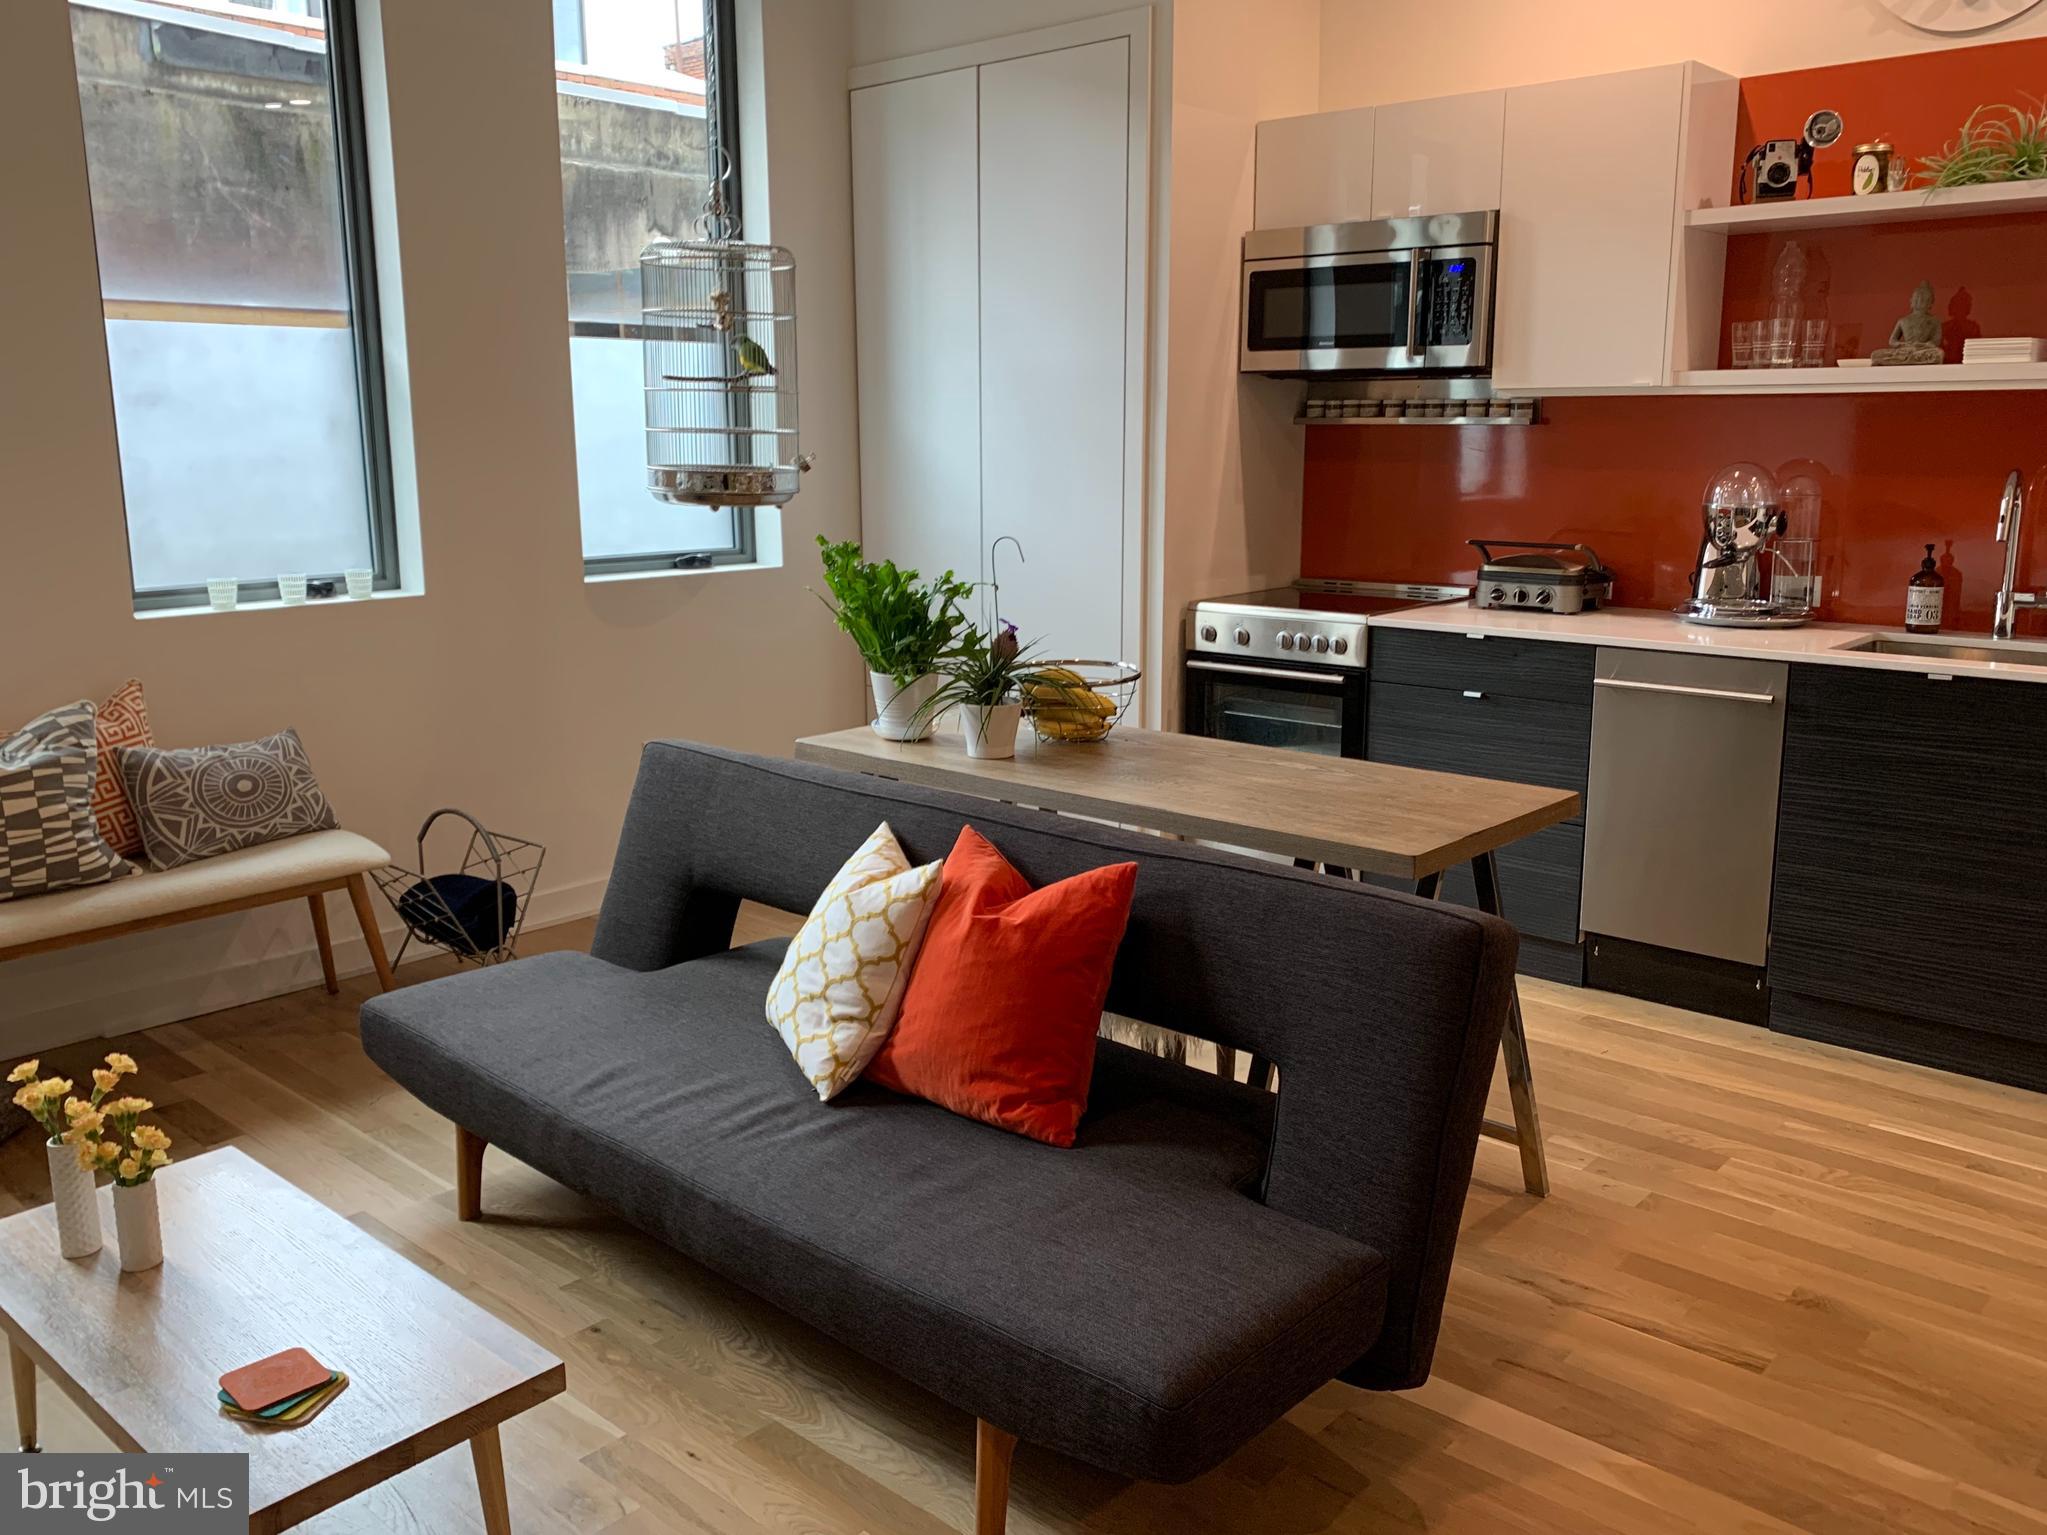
<point x="1915" y="339"/>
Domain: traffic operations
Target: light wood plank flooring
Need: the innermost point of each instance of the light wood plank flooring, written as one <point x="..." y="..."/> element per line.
<point x="1780" y="1287"/>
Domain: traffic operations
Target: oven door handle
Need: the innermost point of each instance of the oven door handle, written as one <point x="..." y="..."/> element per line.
<point x="1272" y="673"/>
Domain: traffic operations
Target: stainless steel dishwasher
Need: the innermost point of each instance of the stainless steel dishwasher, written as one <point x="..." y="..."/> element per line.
<point x="1681" y="828"/>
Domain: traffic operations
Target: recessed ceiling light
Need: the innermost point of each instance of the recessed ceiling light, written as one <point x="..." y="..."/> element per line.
<point x="273" y="106"/>
<point x="301" y="101"/>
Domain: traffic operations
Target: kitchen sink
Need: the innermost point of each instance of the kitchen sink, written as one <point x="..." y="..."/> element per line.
<point x="1953" y="650"/>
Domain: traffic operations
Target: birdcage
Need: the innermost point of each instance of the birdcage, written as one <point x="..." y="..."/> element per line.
<point x="718" y="328"/>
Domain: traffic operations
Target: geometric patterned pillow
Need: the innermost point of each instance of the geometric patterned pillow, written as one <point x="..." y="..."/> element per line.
<point x="48" y="838"/>
<point x="842" y="980"/>
<point x="209" y="800"/>
<point x="123" y="721"/>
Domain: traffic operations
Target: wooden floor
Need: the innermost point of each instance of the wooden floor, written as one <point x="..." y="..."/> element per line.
<point x="1779" y="1287"/>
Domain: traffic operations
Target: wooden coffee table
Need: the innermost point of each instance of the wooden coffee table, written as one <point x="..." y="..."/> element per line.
<point x="252" y="1266"/>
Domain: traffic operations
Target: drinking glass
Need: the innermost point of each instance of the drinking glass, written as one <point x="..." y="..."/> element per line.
<point x="360" y="583"/>
<point x="1783" y="344"/>
<point x="292" y="588"/>
<point x="221" y="593"/>
<point x="1746" y="339"/>
<point x="1812" y="345"/>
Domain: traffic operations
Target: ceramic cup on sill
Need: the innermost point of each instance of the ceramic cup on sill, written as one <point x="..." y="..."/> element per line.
<point x="292" y="589"/>
<point x="360" y="583"/>
<point x="222" y="592"/>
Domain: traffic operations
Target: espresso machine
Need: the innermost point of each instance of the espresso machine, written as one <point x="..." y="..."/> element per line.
<point x="1749" y="573"/>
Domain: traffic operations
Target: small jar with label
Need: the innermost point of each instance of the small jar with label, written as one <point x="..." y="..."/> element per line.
<point x="1872" y="169"/>
<point x="1924" y="596"/>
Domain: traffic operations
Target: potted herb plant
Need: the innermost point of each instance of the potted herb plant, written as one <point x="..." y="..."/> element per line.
<point x="984" y="678"/>
<point x="904" y="626"/>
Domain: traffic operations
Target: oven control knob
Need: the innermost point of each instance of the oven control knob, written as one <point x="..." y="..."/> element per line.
<point x="1242" y="636"/>
<point x="1322" y="644"/>
<point x="1286" y="641"/>
<point x="1300" y="640"/>
<point x="1208" y="633"/>
<point x="1520" y="594"/>
<point x="1342" y="646"/>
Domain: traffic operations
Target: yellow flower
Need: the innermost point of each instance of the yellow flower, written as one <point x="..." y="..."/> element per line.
<point x="151" y="1138"/>
<point x="54" y="1087"/>
<point x="25" y="1072"/>
<point x="87" y="1156"/>
<point x="122" y="1108"/>
<point x="104" y="1079"/>
<point x="106" y="1151"/>
<point x="159" y="1159"/>
<point x="29" y="1098"/>
<point x="86" y="1124"/>
<point x="123" y="1065"/>
<point x="130" y="1167"/>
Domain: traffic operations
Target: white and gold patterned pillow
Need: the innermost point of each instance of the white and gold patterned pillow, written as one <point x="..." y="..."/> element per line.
<point x="835" y="998"/>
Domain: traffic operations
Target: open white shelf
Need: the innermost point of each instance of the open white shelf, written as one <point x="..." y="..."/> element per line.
<point x="1939" y="376"/>
<point x="1876" y="208"/>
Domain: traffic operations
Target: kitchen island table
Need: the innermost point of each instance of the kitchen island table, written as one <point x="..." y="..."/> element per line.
<point x="1337" y="813"/>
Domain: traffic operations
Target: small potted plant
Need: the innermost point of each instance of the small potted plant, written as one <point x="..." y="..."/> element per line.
<point x="904" y="627"/>
<point x="111" y="1137"/>
<point x="984" y="678"/>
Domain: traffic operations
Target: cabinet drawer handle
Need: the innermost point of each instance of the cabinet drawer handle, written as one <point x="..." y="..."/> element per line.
<point x="1473" y="693"/>
<point x="1727" y="694"/>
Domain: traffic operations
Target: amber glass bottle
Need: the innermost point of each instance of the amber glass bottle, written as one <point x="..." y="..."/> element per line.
<point x="1923" y="597"/>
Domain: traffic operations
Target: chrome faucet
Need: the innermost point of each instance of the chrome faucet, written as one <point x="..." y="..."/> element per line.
<point x="2011" y="517"/>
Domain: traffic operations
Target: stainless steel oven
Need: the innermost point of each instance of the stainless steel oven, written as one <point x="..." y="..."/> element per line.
<point x="1388" y="296"/>
<point x="1286" y="667"/>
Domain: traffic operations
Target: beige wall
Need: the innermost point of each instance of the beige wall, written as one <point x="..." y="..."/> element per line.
<point x="1395" y="50"/>
<point x="510" y="687"/>
<point x="1232" y="457"/>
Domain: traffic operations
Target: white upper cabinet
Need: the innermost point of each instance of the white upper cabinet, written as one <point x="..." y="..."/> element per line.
<point x="1585" y="236"/>
<point x="1591" y="188"/>
<point x="1314" y="170"/>
<point x="1438" y="156"/>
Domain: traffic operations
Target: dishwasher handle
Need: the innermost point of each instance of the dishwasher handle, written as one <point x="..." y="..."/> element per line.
<point x="1728" y="695"/>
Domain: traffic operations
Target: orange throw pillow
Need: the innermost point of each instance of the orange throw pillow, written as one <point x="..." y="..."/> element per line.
<point x="1005" y="999"/>
<point x="123" y="721"/>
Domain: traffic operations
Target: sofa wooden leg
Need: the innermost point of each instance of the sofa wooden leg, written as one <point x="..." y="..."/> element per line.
<point x="318" y="903"/>
<point x="366" y="919"/>
<point x="468" y="1174"/>
<point x="992" y="1451"/>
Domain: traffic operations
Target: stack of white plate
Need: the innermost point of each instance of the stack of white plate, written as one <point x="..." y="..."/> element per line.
<point x="2005" y="349"/>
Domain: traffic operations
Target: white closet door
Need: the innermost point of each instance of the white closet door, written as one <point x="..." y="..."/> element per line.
<point x="917" y="307"/>
<point x="1054" y="214"/>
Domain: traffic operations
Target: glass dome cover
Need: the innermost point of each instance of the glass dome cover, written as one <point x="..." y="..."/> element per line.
<point x="1743" y="506"/>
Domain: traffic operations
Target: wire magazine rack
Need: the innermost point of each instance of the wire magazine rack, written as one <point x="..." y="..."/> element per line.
<point x="476" y="911"/>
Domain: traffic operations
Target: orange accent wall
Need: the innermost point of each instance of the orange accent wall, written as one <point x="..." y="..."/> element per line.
<point x="1625" y="474"/>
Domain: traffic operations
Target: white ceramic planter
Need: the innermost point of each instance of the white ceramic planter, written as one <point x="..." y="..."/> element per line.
<point x="137" y="1230"/>
<point x="74" y="1193"/>
<point x="896" y="709"/>
<point x="990" y="729"/>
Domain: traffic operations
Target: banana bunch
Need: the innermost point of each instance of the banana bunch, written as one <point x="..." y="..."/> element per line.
<point x="1064" y="708"/>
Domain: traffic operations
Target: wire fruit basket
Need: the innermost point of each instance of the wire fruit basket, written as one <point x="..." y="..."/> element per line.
<point x="1070" y="701"/>
<point x="476" y="912"/>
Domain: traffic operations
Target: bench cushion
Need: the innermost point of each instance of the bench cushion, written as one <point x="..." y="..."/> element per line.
<point x="252" y="872"/>
<point x="1126" y="1301"/>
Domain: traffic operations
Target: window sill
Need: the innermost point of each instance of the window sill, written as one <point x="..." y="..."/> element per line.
<point x="669" y="575"/>
<point x="275" y="605"/>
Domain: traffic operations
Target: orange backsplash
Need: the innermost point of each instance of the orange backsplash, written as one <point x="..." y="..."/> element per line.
<point x="1625" y="474"/>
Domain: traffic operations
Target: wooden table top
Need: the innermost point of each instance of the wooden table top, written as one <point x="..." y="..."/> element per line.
<point x="1398" y="821"/>
<point x="252" y="1266"/>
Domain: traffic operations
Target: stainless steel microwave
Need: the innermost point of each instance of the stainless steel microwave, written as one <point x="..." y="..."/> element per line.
<point x="1389" y="296"/>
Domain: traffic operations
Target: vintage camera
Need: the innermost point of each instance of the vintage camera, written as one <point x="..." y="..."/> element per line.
<point x="1775" y="167"/>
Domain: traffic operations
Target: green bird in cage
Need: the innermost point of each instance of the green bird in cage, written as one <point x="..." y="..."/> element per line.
<point x="753" y="362"/>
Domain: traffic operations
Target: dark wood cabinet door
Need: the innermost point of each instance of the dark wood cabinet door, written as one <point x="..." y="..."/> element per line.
<point x="1492" y="735"/>
<point x="1911" y="854"/>
<point x="1492" y="663"/>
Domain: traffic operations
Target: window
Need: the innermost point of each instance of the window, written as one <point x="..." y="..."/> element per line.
<point x="646" y="110"/>
<point x="223" y="144"/>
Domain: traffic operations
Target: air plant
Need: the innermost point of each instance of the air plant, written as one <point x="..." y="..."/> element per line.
<point x="1999" y="142"/>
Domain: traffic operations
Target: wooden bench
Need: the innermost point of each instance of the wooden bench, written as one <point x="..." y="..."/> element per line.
<point x="297" y="868"/>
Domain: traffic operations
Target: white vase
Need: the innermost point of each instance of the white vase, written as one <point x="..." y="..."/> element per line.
<point x="990" y="729"/>
<point x="136" y="1227"/>
<point x="897" y="709"/>
<point x="75" y="1193"/>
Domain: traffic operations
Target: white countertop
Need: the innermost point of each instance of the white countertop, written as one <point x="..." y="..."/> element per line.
<point x="1655" y="629"/>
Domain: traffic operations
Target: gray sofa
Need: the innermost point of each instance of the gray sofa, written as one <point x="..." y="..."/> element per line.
<point x="1203" y="1259"/>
